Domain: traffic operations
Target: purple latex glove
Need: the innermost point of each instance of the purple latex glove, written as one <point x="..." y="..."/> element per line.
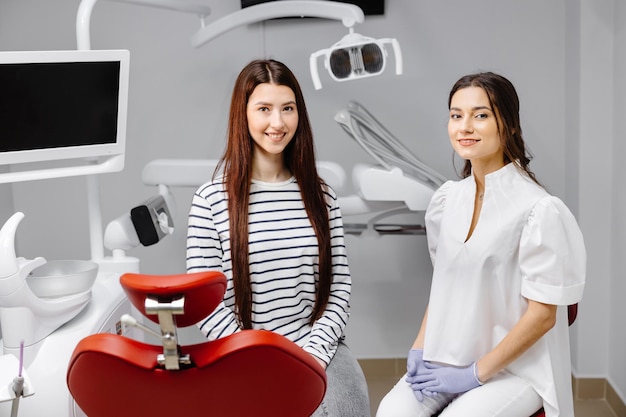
<point x="433" y="378"/>
<point x="415" y="364"/>
<point x="414" y="361"/>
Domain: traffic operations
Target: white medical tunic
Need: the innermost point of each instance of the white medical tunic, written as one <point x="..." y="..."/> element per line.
<point x="526" y="245"/>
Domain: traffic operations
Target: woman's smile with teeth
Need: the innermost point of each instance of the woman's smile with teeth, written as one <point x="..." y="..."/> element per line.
<point x="468" y="141"/>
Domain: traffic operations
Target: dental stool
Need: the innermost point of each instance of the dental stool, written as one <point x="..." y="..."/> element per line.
<point x="250" y="373"/>
<point x="572" y="312"/>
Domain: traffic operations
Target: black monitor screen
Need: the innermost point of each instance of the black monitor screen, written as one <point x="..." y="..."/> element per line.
<point x="58" y="104"/>
<point x="369" y="7"/>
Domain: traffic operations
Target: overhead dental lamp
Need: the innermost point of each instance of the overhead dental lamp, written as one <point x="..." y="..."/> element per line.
<point x="355" y="56"/>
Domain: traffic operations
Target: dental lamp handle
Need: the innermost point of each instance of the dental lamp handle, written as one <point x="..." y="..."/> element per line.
<point x="398" y="54"/>
<point x="313" y="67"/>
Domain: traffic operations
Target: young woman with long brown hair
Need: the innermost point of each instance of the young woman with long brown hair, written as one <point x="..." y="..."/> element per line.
<point x="508" y="258"/>
<point x="271" y="224"/>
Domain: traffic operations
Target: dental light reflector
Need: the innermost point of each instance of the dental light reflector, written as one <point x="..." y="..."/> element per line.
<point x="366" y="58"/>
<point x="355" y="56"/>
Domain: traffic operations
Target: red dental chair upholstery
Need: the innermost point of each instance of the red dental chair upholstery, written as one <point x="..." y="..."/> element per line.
<point x="250" y="373"/>
<point x="572" y="312"/>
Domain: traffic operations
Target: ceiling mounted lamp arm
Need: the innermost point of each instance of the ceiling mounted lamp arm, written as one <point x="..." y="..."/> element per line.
<point x="198" y="8"/>
<point x="349" y="14"/>
<point x="85" y="8"/>
<point x="83" y="20"/>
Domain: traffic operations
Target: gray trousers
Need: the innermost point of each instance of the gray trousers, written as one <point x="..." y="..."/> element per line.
<point x="346" y="392"/>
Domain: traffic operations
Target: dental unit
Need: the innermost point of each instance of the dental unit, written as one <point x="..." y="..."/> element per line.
<point x="397" y="176"/>
<point x="47" y="306"/>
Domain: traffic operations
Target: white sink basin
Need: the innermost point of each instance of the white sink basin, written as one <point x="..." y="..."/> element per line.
<point x="62" y="278"/>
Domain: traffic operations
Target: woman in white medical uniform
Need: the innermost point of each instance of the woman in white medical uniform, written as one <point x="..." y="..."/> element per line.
<point x="274" y="228"/>
<point x="507" y="260"/>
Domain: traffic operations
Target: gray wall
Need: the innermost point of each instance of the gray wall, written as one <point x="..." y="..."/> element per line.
<point x="617" y="333"/>
<point x="561" y="55"/>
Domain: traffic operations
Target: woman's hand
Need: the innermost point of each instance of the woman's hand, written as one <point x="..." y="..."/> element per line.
<point x="321" y="362"/>
<point x="433" y="378"/>
<point x="414" y="361"/>
<point x="415" y="364"/>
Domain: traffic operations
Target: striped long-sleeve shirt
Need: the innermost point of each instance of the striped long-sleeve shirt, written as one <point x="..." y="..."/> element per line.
<point x="283" y="256"/>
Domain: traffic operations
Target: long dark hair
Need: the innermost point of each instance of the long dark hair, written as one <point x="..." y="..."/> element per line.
<point x="505" y="104"/>
<point x="299" y="158"/>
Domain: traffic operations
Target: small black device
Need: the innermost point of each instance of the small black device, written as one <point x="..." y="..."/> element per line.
<point x="149" y="220"/>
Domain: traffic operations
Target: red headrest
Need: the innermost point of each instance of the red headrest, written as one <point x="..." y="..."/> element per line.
<point x="203" y="291"/>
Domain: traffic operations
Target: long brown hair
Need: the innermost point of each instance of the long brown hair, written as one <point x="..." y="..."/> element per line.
<point x="299" y="158"/>
<point x="505" y="104"/>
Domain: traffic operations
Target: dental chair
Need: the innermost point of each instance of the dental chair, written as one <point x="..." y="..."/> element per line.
<point x="572" y="312"/>
<point x="249" y="373"/>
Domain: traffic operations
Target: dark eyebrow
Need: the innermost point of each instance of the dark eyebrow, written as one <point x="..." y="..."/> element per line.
<point x="263" y="103"/>
<point x="473" y="108"/>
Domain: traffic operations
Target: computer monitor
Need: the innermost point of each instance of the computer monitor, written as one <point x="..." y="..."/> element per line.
<point x="64" y="105"/>
<point x="369" y="7"/>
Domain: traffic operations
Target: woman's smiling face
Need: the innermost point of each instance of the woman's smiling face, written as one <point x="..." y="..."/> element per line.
<point x="272" y="118"/>
<point x="473" y="128"/>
